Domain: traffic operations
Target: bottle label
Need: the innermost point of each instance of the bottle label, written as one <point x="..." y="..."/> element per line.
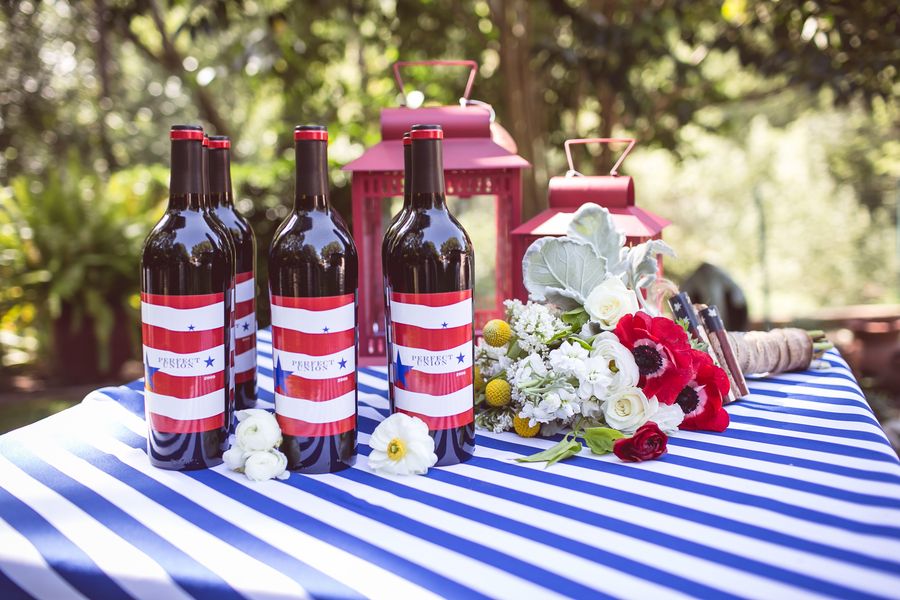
<point x="184" y="362"/>
<point x="431" y="336"/>
<point x="245" y="328"/>
<point x="314" y="353"/>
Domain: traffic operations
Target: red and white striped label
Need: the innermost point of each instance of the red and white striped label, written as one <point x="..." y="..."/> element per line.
<point x="432" y="350"/>
<point x="184" y="362"/>
<point x="245" y="327"/>
<point x="314" y="353"/>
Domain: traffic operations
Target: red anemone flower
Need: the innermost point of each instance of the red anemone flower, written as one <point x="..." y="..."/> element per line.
<point x="701" y="398"/>
<point x="662" y="352"/>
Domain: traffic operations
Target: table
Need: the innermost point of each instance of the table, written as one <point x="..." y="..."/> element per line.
<point x="800" y="497"/>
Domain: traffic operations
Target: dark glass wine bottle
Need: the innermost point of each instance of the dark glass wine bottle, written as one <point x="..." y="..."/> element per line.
<point x="390" y="234"/>
<point x="312" y="284"/>
<point x="430" y="275"/>
<point x="225" y="234"/>
<point x="185" y="310"/>
<point x="221" y="202"/>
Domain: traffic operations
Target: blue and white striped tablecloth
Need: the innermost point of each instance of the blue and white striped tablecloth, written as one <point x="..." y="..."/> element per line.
<point x="800" y="497"/>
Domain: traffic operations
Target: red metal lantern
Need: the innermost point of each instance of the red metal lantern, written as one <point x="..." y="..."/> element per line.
<point x="566" y="194"/>
<point x="479" y="160"/>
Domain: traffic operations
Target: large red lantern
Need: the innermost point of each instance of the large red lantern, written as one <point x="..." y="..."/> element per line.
<point x="566" y="194"/>
<point x="479" y="160"/>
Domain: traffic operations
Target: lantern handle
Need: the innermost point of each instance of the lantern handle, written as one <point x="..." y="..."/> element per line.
<point x="615" y="168"/>
<point x="473" y="69"/>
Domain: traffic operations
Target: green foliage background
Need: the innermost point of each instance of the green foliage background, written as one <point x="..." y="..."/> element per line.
<point x="782" y="111"/>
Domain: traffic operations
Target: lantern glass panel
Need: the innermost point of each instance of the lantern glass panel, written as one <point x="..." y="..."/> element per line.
<point x="478" y="216"/>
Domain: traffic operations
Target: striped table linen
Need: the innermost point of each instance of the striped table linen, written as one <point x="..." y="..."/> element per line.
<point x="799" y="498"/>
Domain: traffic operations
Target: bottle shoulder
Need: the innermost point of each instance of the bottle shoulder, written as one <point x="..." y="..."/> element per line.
<point x="313" y="229"/>
<point x="430" y="231"/>
<point x="186" y="236"/>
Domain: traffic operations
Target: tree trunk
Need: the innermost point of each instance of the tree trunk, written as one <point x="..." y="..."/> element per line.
<point x="101" y="22"/>
<point x="520" y="98"/>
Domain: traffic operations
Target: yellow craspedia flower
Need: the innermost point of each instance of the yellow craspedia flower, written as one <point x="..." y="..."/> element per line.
<point x="496" y="332"/>
<point x="497" y="392"/>
<point x="522" y="428"/>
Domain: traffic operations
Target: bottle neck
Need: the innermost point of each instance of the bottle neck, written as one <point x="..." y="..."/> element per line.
<point x="186" y="181"/>
<point x="427" y="181"/>
<point x="204" y="176"/>
<point x="220" y="178"/>
<point x="407" y="175"/>
<point x="311" y="177"/>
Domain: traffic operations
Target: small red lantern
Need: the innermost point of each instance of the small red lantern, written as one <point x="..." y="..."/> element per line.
<point x="479" y="160"/>
<point x="567" y="194"/>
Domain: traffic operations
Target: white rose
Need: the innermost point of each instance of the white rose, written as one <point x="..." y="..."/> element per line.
<point x="595" y="378"/>
<point x="609" y="302"/>
<point x="263" y="465"/>
<point x="401" y="446"/>
<point x="258" y="430"/>
<point x="668" y="417"/>
<point x="234" y="458"/>
<point x="624" y="372"/>
<point x="628" y="409"/>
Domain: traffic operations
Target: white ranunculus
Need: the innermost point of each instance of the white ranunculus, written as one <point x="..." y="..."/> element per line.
<point x="595" y="379"/>
<point x="668" y="417"/>
<point x="401" y="446"/>
<point x="263" y="465"/>
<point x="258" y="430"/>
<point x="568" y="359"/>
<point x="623" y="370"/>
<point x="234" y="458"/>
<point x="628" y="409"/>
<point x="609" y="302"/>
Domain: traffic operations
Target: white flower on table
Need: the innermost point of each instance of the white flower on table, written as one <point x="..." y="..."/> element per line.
<point x="596" y="378"/>
<point x="401" y="446"/>
<point x="262" y="465"/>
<point x="568" y="359"/>
<point x="528" y="372"/>
<point x="628" y="409"/>
<point x="257" y="430"/>
<point x="557" y="403"/>
<point x="255" y="450"/>
<point x="533" y="324"/>
<point x="610" y="301"/>
<point x="624" y="372"/>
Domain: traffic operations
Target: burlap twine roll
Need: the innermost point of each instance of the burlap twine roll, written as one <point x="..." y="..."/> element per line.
<point x="776" y="351"/>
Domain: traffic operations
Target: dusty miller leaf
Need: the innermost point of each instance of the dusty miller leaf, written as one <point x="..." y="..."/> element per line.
<point x="642" y="263"/>
<point x="593" y="225"/>
<point x="562" y="271"/>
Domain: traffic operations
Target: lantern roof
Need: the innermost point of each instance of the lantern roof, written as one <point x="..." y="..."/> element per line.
<point x="472" y="141"/>
<point x="632" y="221"/>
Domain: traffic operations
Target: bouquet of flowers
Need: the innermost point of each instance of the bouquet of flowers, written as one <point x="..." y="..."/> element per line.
<point x="590" y="352"/>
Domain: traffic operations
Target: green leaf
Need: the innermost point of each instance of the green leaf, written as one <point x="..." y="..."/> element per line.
<point x="575" y="318"/>
<point x="601" y="439"/>
<point x="552" y="455"/>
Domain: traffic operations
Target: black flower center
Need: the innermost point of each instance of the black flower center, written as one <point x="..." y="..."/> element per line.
<point x="688" y="399"/>
<point x="647" y="359"/>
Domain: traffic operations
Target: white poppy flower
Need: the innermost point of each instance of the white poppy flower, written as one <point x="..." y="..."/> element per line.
<point x="401" y="446"/>
<point x="258" y="430"/>
<point x="624" y="372"/>
<point x="629" y="409"/>
<point x="263" y="465"/>
<point x="609" y="302"/>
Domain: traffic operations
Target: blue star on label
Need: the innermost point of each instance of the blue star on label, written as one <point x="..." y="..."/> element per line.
<point x="444" y="324"/>
<point x="209" y="361"/>
<point x="342" y="363"/>
<point x="148" y="377"/>
<point x="246" y="326"/>
<point x="280" y="378"/>
<point x="190" y="327"/>
<point x="401" y="371"/>
<point x="325" y="329"/>
<point x="461" y="358"/>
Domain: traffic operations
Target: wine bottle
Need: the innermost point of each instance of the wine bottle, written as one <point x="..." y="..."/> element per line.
<point x="223" y="232"/>
<point x="312" y="284"/>
<point x="221" y="203"/>
<point x="185" y="310"/>
<point x="390" y="234"/>
<point x="430" y="275"/>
